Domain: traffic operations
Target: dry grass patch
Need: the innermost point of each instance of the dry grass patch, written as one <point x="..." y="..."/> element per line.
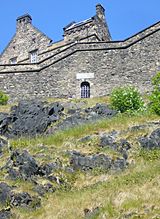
<point x="120" y="194"/>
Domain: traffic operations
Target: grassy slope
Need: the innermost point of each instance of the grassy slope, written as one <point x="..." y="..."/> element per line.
<point x="133" y="193"/>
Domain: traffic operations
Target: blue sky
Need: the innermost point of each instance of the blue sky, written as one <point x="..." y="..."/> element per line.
<point x="124" y="17"/>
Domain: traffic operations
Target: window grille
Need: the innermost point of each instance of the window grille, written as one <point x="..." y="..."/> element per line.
<point x="34" y="56"/>
<point x="85" y="90"/>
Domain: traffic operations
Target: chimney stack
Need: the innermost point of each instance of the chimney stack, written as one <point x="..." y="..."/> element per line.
<point x="100" y="12"/>
<point x="22" y="21"/>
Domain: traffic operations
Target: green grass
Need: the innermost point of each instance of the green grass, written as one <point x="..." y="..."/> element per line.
<point x="134" y="191"/>
<point x="126" y="192"/>
<point x="120" y="122"/>
<point x="149" y="155"/>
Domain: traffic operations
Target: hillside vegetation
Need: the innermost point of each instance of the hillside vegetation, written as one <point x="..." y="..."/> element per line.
<point x="104" y="167"/>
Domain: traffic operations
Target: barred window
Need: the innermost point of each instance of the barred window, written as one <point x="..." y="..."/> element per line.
<point x="85" y="90"/>
<point x="33" y="56"/>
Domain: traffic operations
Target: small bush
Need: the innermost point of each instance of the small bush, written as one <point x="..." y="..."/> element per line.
<point x="126" y="99"/>
<point x="3" y="98"/>
<point x="155" y="95"/>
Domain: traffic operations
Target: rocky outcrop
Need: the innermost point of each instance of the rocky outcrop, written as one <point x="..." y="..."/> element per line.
<point x="5" y="193"/>
<point x="5" y="214"/>
<point x="151" y="142"/>
<point x="78" y="116"/>
<point x="31" y="118"/>
<point x="82" y="162"/>
<point x="24" y="199"/>
<point x="10" y="198"/>
<point x="4" y="123"/>
<point x="109" y="140"/>
<point x="43" y="189"/>
<point x="3" y="143"/>
<point x="110" y="152"/>
<point x="21" y="165"/>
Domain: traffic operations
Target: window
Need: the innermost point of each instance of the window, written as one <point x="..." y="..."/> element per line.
<point x="85" y="90"/>
<point x="33" y="40"/>
<point x="33" y="56"/>
<point x="13" y="60"/>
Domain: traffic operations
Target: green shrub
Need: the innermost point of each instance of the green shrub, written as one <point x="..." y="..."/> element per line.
<point x="155" y="95"/>
<point x="3" y="98"/>
<point x="126" y="98"/>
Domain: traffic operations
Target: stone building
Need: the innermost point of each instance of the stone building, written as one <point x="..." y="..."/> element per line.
<point x="86" y="63"/>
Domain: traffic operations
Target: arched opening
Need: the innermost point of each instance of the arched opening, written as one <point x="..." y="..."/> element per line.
<point x="85" y="90"/>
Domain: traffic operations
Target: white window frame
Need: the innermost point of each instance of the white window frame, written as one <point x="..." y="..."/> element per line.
<point x="34" y="56"/>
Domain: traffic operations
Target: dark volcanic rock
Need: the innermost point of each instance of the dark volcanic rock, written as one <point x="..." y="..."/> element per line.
<point x="45" y="169"/>
<point x="104" y="110"/>
<point x="13" y="174"/>
<point x="32" y="118"/>
<point x="119" y="164"/>
<point x="4" y="123"/>
<point x="82" y="162"/>
<point x="123" y="147"/>
<point x="3" y="143"/>
<point x="79" y="161"/>
<point x="109" y="140"/>
<point x="24" y="199"/>
<point x="43" y="189"/>
<point x="151" y="142"/>
<point x="27" y="166"/>
<point x="124" y="144"/>
<point x="21" y="165"/>
<point x="55" y="109"/>
<point x="21" y="199"/>
<point x="29" y="118"/>
<point x="71" y="111"/>
<point x="155" y="137"/>
<point x="80" y="116"/>
<point x="7" y="197"/>
<point x="5" y="193"/>
<point x="5" y="214"/>
<point x="71" y="121"/>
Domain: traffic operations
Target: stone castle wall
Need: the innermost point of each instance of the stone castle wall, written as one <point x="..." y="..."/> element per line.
<point x="61" y="67"/>
<point x="103" y="64"/>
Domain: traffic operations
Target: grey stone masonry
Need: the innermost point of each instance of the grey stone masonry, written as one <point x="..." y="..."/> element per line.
<point x="87" y="54"/>
<point x="27" y="39"/>
<point x="95" y="25"/>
